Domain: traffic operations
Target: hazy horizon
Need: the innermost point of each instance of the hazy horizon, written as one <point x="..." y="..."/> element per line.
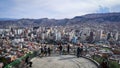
<point x="55" y="9"/>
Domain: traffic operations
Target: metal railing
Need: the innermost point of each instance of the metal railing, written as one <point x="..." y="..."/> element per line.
<point x="17" y="62"/>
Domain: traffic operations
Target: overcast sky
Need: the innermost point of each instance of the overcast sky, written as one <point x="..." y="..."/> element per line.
<point x="55" y="8"/>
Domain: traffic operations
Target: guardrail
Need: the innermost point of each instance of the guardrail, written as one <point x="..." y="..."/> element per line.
<point x="111" y="64"/>
<point x="16" y="63"/>
<point x="95" y="62"/>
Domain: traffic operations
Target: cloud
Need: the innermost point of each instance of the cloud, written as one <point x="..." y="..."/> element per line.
<point x="103" y="9"/>
<point x="56" y="8"/>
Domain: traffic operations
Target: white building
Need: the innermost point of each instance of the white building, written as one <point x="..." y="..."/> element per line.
<point x="71" y="35"/>
<point x="58" y="36"/>
<point x="116" y="36"/>
<point x="4" y="30"/>
<point x="18" y="31"/>
<point x="99" y="35"/>
<point x="19" y="40"/>
<point x="43" y="36"/>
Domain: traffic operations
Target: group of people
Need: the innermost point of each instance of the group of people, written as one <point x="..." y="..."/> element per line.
<point x="45" y="51"/>
<point x="62" y="50"/>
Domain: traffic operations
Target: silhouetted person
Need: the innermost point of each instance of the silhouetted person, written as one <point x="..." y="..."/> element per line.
<point x="68" y="49"/>
<point x="78" y="51"/>
<point x="45" y="50"/>
<point x="49" y="52"/>
<point x="30" y="64"/>
<point x="27" y="60"/>
<point x="60" y="48"/>
<point x="81" y="51"/>
<point x="42" y="51"/>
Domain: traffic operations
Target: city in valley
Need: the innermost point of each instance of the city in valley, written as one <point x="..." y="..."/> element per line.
<point x="59" y="33"/>
<point x="39" y="42"/>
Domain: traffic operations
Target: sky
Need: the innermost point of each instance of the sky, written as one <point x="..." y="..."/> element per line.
<point x="57" y="9"/>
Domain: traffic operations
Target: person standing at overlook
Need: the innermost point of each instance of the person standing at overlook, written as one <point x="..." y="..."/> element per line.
<point x="60" y="48"/>
<point x="45" y="51"/>
<point x="49" y="51"/>
<point x="78" y="51"/>
<point x="68" y="49"/>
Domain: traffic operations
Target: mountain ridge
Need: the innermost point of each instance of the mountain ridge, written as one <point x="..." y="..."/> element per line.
<point x="88" y="18"/>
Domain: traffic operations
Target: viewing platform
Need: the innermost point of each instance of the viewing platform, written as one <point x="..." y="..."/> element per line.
<point x="62" y="61"/>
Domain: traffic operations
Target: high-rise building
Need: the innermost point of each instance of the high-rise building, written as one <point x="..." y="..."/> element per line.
<point x="101" y="34"/>
<point x="71" y="35"/>
<point x="98" y="35"/>
<point x="109" y="36"/>
<point x="116" y="36"/>
<point x="58" y="36"/>
<point x="43" y="36"/>
<point x="91" y="37"/>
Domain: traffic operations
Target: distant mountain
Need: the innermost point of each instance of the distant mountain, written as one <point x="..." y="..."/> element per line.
<point x="5" y="19"/>
<point x="100" y="17"/>
<point x="89" y="18"/>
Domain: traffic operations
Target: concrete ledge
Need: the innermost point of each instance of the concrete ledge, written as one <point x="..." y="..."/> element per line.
<point x="95" y="62"/>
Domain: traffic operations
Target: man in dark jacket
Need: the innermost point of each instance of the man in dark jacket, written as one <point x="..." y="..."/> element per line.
<point x="68" y="49"/>
<point x="42" y="52"/>
<point x="27" y="60"/>
<point x="49" y="51"/>
<point x="78" y="52"/>
<point x="45" y="50"/>
<point x="60" y="48"/>
<point x="81" y="50"/>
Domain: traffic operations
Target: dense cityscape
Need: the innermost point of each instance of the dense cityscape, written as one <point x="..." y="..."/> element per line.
<point x="16" y="42"/>
<point x="59" y="34"/>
